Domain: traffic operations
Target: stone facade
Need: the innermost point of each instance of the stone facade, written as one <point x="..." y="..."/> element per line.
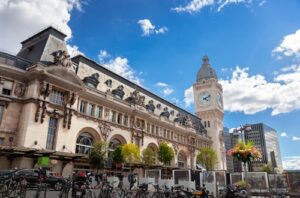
<point x="55" y="106"/>
<point x="208" y="97"/>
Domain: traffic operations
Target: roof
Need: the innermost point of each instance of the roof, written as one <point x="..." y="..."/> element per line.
<point x="51" y="30"/>
<point x="97" y="66"/>
<point x="206" y="71"/>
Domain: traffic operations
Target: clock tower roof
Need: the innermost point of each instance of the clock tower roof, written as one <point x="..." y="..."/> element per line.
<point x="206" y="71"/>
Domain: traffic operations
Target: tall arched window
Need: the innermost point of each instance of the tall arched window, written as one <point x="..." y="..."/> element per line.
<point x="84" y="143"/>
<point x="181" y="160"/>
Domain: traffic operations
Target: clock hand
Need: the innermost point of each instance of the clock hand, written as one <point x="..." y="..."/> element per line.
<point x="206" y="98"/>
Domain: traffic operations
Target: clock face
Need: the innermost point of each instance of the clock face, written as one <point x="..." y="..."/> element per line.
<point x="219" y="100"/>
<point x="204" y="98"/>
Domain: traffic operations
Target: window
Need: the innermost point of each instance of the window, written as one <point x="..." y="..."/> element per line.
<point x="98" y="112"/>
<point x="113" y="116"/>
<point x="148" y="127"/>
<point x="90" y="109"/>
<point x="165" y="131"/>
<point x="125" y="120"/>
<point x="152" y="129"/>
<point x="119" y="118"/>
<point x="1" y="140"/>
<point x="84" y="143"/>
<point x="56" y="97"/>
<point x="168" y="134"/>
<point x="181" y="160"/>
<point x="83" y="106"/>
<point x="51" y="133"/>
<point x="1" y="112"/>
<point x="157" y="130"/>
<point x="172" y="135"/>
<point x="208" y="124"/>
<point x="7" y="87"/>
<point x="204" y="124"/>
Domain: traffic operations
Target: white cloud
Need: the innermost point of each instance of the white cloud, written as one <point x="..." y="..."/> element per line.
<point x="291" y="163"/>
<point x="188" y="97"/>
<point x="283" y="134"/>
<point x="224" y="3"/>
<point x="103" y="55"/>
<point x="23" y="18"/>
<point x="196" y="5"/>
<point x="165" y="88"/>
<point x="148" y="28"/>
<point x="120" y="66"/>
<point x="263" y="2"/>
<point x="252" y="94"/>
<point x="74" y="50"/>
<point x="289" y="46"/>
<point x="296" y="138"/>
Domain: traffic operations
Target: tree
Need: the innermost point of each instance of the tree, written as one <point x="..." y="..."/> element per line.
<point x="130" y="153"/>
<point x="268" y="169"/>
<point x="165" y="153"/>
<point x="208" y="158"/>
<point x="98" y="155"/>
<point x="117" y="156"/>
<point x="148" y="156"/>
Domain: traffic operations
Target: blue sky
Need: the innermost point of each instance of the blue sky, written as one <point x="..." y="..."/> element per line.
<point x="253" y="45"/>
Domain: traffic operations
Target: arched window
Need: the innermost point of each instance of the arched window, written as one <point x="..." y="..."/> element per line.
<point x="84" y="143"/>
<point x="181" y="160"/>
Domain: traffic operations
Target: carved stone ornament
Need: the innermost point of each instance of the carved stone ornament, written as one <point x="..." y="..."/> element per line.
<point x="136" y="98"/>
<point x="188" y="122"/>
<point x="175" y="147"/>
<point x="105" y="129"/>
<point x="61" y="57"/>
<point x="19" y="90"/>
<point x="45" y="89"/>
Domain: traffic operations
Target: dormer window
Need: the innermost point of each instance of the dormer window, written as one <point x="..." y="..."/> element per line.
<point x="7" y="87"/>
<point x="119" y="93"/>
<point x="56" y="97"/>
<point x="92" y="81"/>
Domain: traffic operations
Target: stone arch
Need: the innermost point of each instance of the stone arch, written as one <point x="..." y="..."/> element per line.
<point x="119" y="138"/>
<point x="85" y="139"/>
<point x="181" y="159"/>
<point x="91" y="131"/>
<point x="153" y="146"/>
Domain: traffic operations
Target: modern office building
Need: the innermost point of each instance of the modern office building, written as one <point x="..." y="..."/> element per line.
<point x="228" y="146"/>
<point x="55" y="106"/>
<point x="265" y="139"/>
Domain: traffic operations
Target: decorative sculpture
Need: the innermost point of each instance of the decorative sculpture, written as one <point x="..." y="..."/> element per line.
<point x="61" y="57"/>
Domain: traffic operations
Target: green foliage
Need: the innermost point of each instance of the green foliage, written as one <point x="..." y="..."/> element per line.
<point x="148" y="156"/>
<point x="165" y="153"/>
<point x="98" y="155"/>
<point x="268" y="169"/>
<point x="131" y="153"/>
<point x="117" y="155"/>
<point x="207" y="158"/>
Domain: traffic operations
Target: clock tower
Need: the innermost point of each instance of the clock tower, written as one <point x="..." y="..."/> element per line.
<point x="208" y="97"/>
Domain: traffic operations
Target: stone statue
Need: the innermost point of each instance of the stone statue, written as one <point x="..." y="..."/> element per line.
<point x="61" y="57"/>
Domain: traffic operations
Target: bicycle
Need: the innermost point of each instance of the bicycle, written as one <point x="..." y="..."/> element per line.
<point x="64" y="193"/>
<point x="10" y="188"/>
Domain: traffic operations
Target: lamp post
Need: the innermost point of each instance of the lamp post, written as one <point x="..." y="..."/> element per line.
<point x="241" y="130"/>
